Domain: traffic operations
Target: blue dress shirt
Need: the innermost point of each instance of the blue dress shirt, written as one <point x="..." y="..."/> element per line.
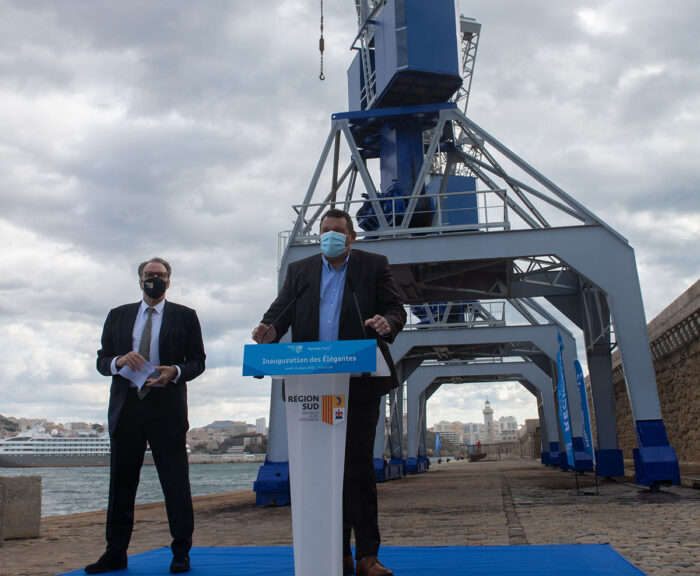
<point x="332" y="285"/>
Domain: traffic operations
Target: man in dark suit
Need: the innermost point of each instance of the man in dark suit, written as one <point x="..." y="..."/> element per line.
<point x="166" y="337"/>
<point x="346" y="294"/>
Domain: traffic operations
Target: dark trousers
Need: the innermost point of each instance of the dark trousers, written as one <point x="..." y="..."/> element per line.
<point x="359" y="482"/>
<point x="160" y="420"/>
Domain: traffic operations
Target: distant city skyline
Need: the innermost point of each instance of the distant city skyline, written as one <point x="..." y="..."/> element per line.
<point x="489" y="429"/>
<point x="255" y="421"/>
<point x="464" y="403"/>
<point x="480" y="419"/>
<point x="77" y="424"/>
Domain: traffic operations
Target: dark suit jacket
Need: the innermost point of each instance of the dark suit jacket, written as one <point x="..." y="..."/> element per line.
<point x="180" y="343"/>
<point x="376" y="292"/>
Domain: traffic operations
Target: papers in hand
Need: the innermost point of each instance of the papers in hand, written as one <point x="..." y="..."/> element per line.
<point x="139" y="377"/>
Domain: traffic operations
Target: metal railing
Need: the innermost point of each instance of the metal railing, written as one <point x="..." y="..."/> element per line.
<point x="470" y="314"/>
<point x="449" y="212"/>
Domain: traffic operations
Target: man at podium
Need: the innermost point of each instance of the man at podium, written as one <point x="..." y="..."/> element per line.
<point x="345" y="294"/>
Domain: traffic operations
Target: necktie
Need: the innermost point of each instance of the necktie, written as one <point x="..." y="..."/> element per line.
<point x="145" y="347"/>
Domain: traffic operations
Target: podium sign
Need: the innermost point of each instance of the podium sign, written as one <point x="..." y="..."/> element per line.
<point x="316" y="386"/>
<point x="309" y="358"/>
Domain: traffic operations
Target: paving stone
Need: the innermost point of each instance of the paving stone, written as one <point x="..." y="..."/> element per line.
<point x="455" y="504"/>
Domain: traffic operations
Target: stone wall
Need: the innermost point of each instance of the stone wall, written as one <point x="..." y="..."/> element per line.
<point x="674" y="337"/>
<point x="530" y="440"/>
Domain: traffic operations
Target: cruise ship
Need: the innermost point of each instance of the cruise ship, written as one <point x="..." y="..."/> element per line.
<point x="39" y="448"/>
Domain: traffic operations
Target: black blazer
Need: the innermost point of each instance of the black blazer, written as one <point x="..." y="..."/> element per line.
<point x="180" y="344"/>
<point x="376" y="292"/>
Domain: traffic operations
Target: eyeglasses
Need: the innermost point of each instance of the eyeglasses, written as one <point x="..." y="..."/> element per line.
<point x="149" y="275"/>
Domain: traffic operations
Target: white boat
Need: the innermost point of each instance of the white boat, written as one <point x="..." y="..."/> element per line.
<point x="36" y="447"/>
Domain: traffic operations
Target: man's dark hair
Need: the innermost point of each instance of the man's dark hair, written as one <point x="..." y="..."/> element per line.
<point x="337" y="213"/>
<point x="165" y="263"/>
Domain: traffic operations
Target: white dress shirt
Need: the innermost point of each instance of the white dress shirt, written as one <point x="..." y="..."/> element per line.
<point x="139" y="325"/>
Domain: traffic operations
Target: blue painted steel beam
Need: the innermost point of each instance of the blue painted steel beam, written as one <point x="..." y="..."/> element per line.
<point x="386" y="113"/>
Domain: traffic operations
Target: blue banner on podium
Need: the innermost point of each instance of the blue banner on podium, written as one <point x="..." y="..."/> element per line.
<point x="310" y="358"/>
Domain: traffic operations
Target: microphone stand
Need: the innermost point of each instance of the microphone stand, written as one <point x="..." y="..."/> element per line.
<point x="284" y="311"/>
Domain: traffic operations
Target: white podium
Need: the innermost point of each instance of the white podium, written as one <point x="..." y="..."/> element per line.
<point x="316" y="467"/>
<point x="316" y="410"/>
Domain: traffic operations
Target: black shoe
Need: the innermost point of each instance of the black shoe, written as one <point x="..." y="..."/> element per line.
<point x="107" y="563"/>
<point x="180" y="563"/>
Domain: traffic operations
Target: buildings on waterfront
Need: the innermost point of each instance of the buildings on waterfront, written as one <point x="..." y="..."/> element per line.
<point x="505" y="429"/>
<point x="10" y="427"/>
<point x="221" y="436"/>
<point x="229" y="436"/>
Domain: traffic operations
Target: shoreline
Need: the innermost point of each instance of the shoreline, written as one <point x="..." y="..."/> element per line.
<point x="225" y="459"/>
<point x="204" y="459"/>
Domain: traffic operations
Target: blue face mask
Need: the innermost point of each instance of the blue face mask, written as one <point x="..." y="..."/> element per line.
<point x="333" y="243"/>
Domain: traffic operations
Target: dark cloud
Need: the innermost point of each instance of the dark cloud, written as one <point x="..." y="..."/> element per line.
<point x="188" y="130"/>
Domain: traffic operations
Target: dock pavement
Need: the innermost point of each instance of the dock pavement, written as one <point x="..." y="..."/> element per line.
<point x="456" y="503"/>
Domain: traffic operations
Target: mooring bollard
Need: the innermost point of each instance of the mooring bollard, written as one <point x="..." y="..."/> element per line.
<point x="20" y="507"/>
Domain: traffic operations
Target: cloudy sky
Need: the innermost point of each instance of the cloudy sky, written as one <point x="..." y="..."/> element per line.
<point x="186" y="130"/>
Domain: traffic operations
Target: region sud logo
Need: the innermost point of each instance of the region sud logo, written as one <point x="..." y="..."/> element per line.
<point x="333" y="408"/>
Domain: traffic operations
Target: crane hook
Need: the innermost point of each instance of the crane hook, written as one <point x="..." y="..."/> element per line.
<point x="321" y="46"/>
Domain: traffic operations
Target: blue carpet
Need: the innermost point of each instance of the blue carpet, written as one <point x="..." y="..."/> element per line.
<point x="562" y="560"/>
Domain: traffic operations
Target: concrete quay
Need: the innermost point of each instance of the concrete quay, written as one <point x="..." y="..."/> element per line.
<point x="457" y="503"/>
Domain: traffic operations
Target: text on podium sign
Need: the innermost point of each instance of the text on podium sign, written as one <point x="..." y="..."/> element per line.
<point x="309" y="358"/>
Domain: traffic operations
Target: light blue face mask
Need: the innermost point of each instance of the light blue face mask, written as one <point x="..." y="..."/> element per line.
<point x="333" y="243"/>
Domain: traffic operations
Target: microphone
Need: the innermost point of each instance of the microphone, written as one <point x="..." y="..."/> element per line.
<point x="299" y="294"/>
<point x="351" y="285"/>
<point x="303" y="289"/>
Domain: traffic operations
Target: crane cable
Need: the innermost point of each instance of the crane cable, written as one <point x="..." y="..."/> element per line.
<point x="321" y="45"/>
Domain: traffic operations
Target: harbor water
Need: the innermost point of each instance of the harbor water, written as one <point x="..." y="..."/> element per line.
<point x="69" y="490"/>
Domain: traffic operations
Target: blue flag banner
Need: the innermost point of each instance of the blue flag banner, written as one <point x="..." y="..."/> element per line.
<point x="586" y="418"/>
<point x="563" y="402"/>
<point x="310" y="358"/>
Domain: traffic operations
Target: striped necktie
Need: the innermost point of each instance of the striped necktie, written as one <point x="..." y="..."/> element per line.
<point x="145" y="347"/>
